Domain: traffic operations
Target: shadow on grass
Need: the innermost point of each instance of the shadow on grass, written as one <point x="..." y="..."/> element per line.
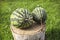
<point x="56" y="1"/>
<point x="0" y="36"/>
<point x="53" y="34"/>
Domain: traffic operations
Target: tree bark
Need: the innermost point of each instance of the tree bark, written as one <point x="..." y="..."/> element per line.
<point x="36" y="32"/>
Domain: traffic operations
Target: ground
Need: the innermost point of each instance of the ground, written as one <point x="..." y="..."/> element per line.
<point x="52" y="8"/>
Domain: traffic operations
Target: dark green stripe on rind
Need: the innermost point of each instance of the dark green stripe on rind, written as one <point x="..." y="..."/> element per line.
<point x="20" y="13"/>
<point x="17" y="15"/>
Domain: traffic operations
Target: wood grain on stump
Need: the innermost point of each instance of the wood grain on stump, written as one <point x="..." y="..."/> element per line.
<point x="36" y="32"/>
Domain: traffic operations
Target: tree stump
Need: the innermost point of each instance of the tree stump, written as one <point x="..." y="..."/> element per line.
<point x="36" y="32"/>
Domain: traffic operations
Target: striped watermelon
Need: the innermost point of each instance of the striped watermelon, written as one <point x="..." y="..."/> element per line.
<point x="21" y="18"/>
<point x="39" y="14"/>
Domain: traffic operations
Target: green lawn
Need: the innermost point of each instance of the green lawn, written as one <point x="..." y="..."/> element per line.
<point x="52" y="8"/>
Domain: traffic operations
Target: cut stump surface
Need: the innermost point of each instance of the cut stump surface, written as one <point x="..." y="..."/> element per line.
<point x="36" y="32"/>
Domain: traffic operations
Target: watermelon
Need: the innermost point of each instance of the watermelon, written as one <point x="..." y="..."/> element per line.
<point x="21" y="18"/>
<point x="39" y="15"/>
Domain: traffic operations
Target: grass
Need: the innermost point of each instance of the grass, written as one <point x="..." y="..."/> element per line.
<point x="52" y="8"/>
